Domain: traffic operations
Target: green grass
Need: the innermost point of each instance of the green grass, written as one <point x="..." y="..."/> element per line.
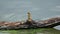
<point x="31" y="31"/>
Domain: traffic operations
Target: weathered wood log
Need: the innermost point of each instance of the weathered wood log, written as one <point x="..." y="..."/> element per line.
<point x="31" y="24"/>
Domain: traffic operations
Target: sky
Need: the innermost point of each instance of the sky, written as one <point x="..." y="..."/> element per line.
<point x="16" y="10"/>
